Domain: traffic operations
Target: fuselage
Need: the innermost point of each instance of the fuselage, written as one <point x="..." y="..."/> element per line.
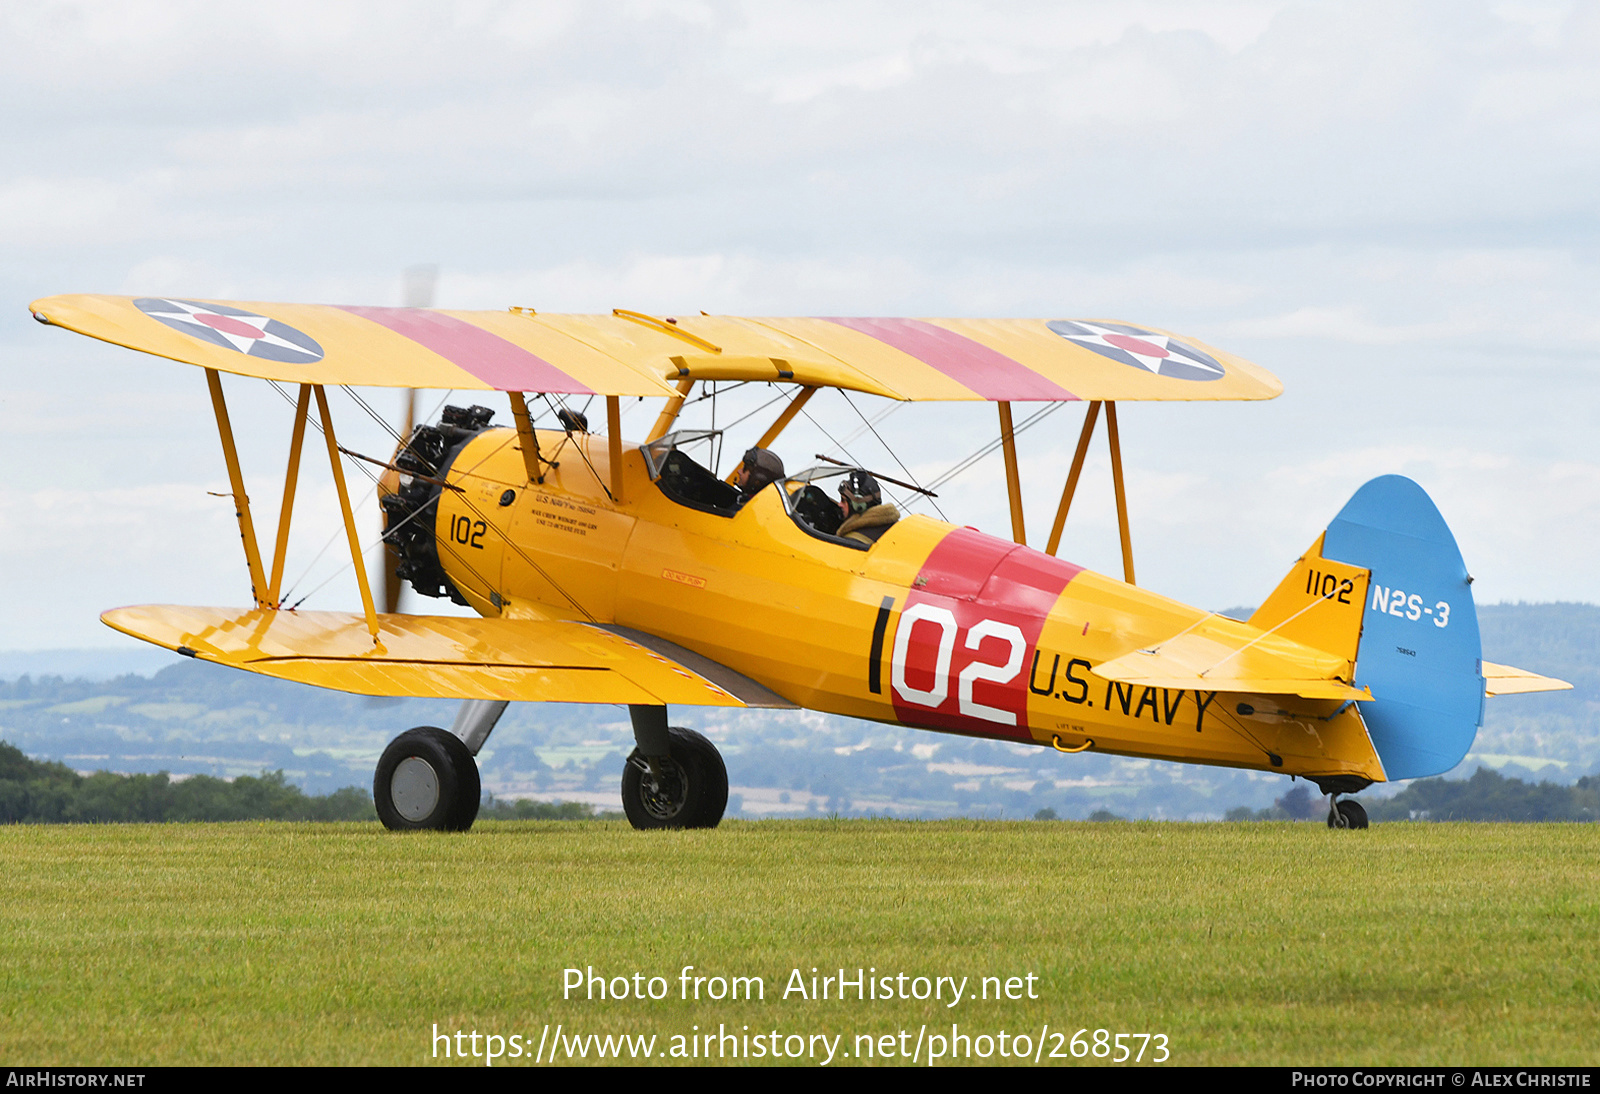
<point x="935" y="626"/>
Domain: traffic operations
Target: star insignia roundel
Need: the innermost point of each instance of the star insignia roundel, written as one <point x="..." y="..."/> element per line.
<point x="1139" y="348"/>
<point x="234" y="328"/>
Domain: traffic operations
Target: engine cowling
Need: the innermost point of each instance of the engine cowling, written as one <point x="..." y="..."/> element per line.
<point x="411" y="507"/>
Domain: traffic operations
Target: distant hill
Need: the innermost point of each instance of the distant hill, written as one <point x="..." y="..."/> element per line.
<point x="1561" y="640"/>
<point x="1551" y="735"/>
<point x="138" y="658"/>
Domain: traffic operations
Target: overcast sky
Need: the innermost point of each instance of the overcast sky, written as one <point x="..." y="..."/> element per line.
<point x="1392" y="206"/>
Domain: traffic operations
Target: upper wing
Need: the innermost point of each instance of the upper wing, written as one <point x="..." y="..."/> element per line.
<point x="1505" y="680"/>
<point x="445" y="657"/>
<point x="628" y="353"/>
<point x="360" y="347"/>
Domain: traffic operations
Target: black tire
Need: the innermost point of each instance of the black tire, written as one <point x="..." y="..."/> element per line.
<point x="427" y="779"/>
<point x="693" y="792"/>
<point x="1355" y="814"/>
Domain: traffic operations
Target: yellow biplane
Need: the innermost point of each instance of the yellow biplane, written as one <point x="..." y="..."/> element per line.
<point x="627" y="572"/>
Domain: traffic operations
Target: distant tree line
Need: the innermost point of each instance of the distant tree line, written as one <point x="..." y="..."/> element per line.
<point x="1487" y="796"/>
<point x="1490" y="796"/>
<point x="32" y="792"/>
<point x="528" y="809"/>
<point x="53" y="793"/>
<point x="1297" y="804"/>
<point x="1098" y="815"/>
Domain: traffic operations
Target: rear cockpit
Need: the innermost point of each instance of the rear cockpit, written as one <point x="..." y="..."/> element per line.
<point x="815" y="509"/>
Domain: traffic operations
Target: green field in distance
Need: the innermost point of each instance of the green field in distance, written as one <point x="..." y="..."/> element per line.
<point x="1270" y="943"/>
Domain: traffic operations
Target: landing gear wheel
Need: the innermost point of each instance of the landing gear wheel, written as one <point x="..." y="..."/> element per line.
<point x="691" y="791"/>
<point x="1347" y="815"/>
<point x="426" y="779"/>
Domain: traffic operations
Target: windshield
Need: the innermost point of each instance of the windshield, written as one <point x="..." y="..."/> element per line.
<point x="686" y="480"/>
<point x="707" y="443"/>
<point x="812" y="501"/>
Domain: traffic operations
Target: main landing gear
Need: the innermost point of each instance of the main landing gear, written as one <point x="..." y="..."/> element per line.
<point x="674" y="778"/>
<point x="427" y="777"/>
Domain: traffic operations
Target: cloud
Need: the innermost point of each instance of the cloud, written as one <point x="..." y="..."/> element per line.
<point x="36" y="212"/>
<point x="1389" y="205"/>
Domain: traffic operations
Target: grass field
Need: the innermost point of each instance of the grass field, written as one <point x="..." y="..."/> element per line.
<point x="1242" y="943"/>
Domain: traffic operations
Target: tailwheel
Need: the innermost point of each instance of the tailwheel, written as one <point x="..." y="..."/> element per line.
<point x="688" y="789"/>
<point x="1347" y="814"/>
<point x="426" y="779"/>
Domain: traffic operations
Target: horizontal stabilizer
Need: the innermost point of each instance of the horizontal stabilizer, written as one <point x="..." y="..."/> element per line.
<point x="448" y="657"/>
<point x="1505" y="680"/>
<point x="1233" y="663"/>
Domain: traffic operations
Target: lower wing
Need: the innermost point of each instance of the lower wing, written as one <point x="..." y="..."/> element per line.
<point x="445" y="657"/>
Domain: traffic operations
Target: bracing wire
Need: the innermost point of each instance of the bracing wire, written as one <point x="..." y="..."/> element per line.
<point x="714" y="393"/>
<point x="372" y="476"/>
<point x="877" y="418"/>
<point x="582" y="450"/>
<point x="994" y="446"/>
<point x="781" y="395"/>
<point x="850" y="457"/>
<point x="375" y="416"/>
<point x="892" y="454"/>
<point x="716" y="459"/>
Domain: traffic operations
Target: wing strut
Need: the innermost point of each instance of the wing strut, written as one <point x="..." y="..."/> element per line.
<point x="795" y="406"/>
<point x="1122" y="497"/>
<point x="241" y="500"/>
<point x="1071" y="486"/>
<point x="614" y="444"/>
<point x="527" y="440"/>
<point x="669" y="413"/>
<point x="1008" y="442"/>
<point x="291" y="479"/>
<point x="344" y="508"/>
<point x="1072" y="476"/>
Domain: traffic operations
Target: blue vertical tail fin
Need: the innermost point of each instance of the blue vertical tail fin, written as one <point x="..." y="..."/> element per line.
<point x="1419" y="650"/>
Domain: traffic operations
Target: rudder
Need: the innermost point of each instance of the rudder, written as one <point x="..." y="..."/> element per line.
<point x="1419" y="648"/>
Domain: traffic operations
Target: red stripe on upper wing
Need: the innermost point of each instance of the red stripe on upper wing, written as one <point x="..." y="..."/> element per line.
<point x="500" y="364"/>
<point x="972" y="364"/>
<point x="994" y="594"/>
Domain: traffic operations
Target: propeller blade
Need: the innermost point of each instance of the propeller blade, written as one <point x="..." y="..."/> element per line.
<point x="419" y="283"/>
<point x="417" y="287"/>
<point x="388" y="484"/>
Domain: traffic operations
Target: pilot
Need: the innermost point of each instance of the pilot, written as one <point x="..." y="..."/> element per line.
<point x="759" y="468"/>
<point x="866" y="517"/>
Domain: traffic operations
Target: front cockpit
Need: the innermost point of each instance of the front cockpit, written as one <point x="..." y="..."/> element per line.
<point x="684" y="479"/>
